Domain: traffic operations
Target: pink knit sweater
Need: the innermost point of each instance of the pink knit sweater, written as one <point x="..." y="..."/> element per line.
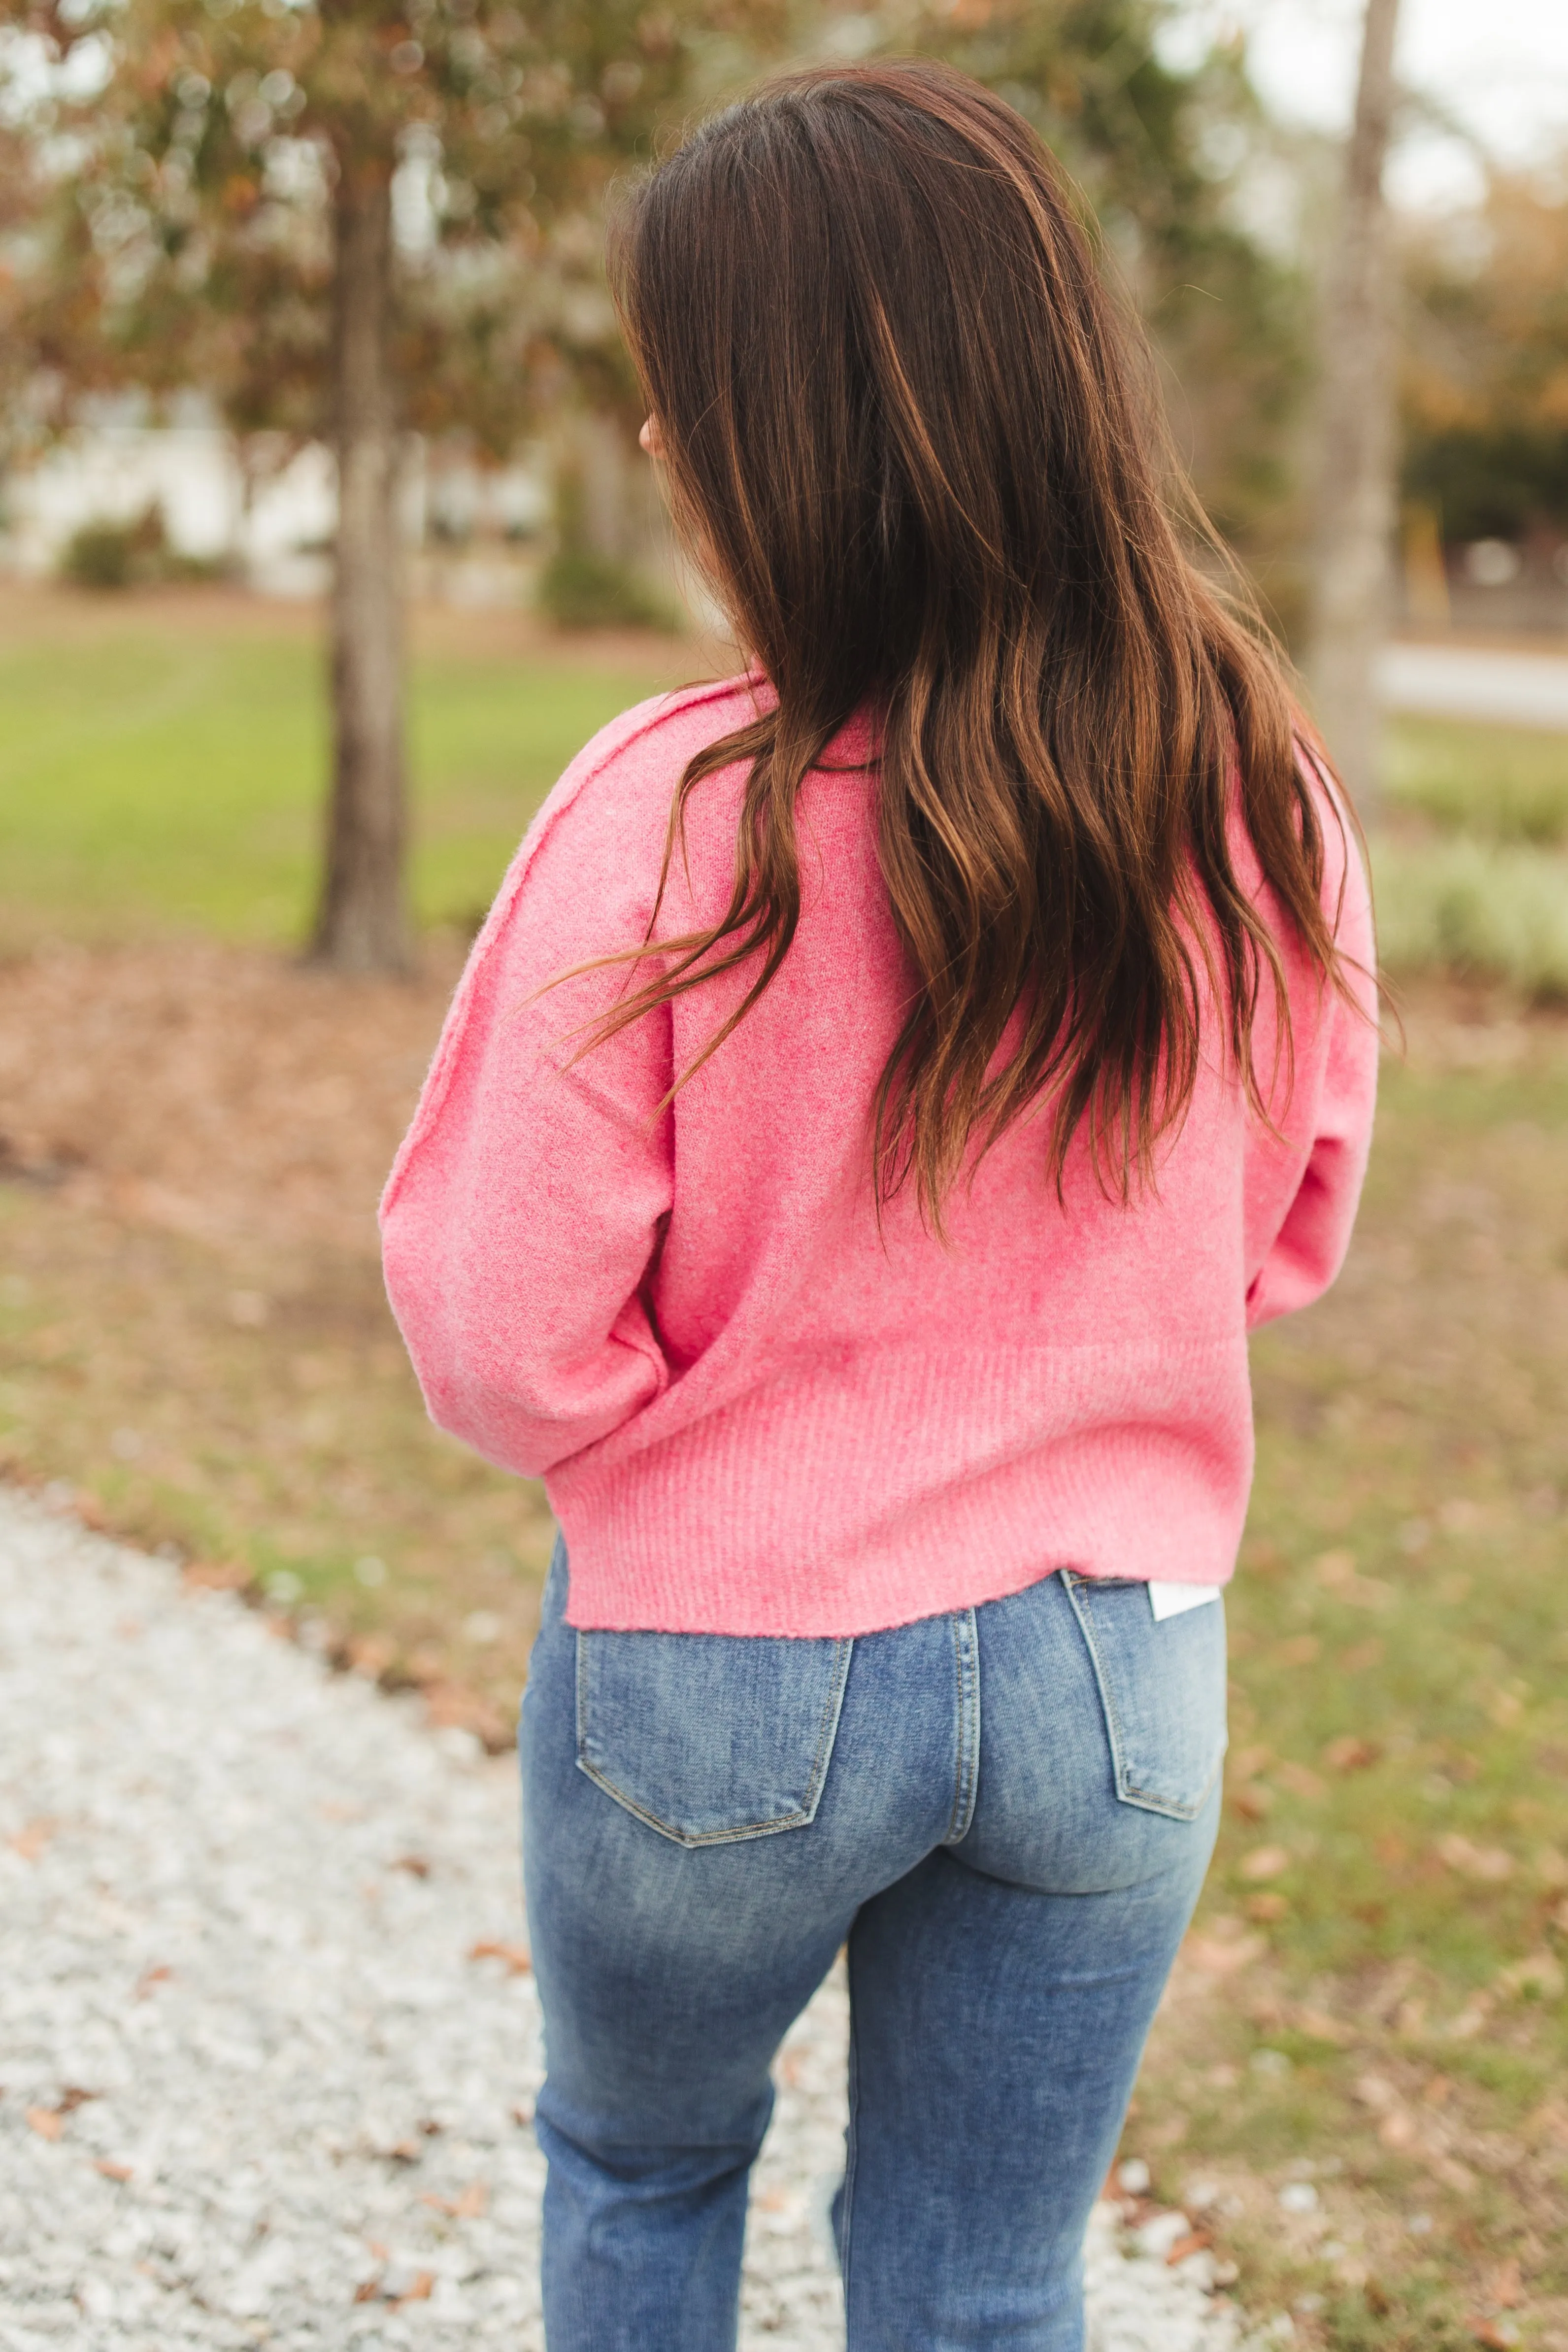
<point x="755" y="1415"/>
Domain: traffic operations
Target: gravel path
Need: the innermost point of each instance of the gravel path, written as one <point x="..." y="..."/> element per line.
<point x="268" y="2043"/>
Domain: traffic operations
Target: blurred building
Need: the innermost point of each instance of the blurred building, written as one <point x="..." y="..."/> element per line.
<point x="266" y="514"/>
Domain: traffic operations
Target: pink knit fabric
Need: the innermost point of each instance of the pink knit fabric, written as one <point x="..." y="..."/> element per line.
<point x="754" y="1412"/>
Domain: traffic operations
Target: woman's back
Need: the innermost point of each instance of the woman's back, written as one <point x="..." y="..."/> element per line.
<point x="761" y="1403"/>
<point x="885" y="1091"/>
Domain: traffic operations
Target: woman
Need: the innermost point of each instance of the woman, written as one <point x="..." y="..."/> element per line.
<point x="888" y="1088"/>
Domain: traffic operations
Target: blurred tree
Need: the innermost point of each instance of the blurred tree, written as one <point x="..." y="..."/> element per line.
<point x="345" y="218"/>
<point x="1354" y="489"/>
<point x="1485" y="390"/>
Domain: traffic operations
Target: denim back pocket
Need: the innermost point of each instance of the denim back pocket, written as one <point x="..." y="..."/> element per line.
<point x="1162" y="1685"/>
<point x="709" y="1737"/>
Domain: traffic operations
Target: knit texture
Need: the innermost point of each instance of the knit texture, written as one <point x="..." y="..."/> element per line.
<point x="754" y="1411"/>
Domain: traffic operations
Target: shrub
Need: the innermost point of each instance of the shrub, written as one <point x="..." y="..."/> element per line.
<point x="101" y="555"/>
<point x="580" y="590"/>
<point x="1470" y="906"/>
<point x="109" y="555"/>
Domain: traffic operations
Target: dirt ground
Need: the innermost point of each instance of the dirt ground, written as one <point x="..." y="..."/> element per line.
<point x="1358" y="2083"/>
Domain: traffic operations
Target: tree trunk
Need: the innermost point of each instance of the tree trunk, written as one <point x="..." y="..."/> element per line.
<point x="1356" y="485"/>
<point x="362" y="924"/>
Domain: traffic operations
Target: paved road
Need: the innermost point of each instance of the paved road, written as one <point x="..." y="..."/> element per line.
<point x="268" y="2041"/>
<point x="1473" y="682"/>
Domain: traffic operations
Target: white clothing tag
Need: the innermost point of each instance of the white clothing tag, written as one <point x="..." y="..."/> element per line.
<point x="1170" y="1599"/>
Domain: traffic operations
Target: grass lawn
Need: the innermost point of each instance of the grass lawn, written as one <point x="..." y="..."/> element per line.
<point x="162" y="761"/>
<point x="1359" y="2085"/>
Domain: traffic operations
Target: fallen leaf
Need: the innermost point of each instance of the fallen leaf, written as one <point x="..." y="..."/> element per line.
<point x="1504" y="2287"/>
<point x="415" y="1863"/>
<point x="73" y="2096"/>
<point x="420" y="2292"/>
<point x="517" y="1958"/>
<point x="216" y="1575"/>
<point x="30" y="1842"/>
<point x="45" y="2122"/>
<point x="1350" y="1753"/>
<point x="466" y="2207"/>
<point x="1266" y="1908"/>
<point x="1487" y="1863"/>
<point x="1266" y="1862"/>
<point x="1322" y="2027"/>
<point x="1252" y="1801"/>
<point x="1540" y="1973"/>
<point x="1193" y="2243"/>
<point x="1223" y="1956"/>
<point x="1497" y="2335"/>
<point x="112" y="2171"/>
<point x="149" y="1978"/>
<point x="368" y="2291"/>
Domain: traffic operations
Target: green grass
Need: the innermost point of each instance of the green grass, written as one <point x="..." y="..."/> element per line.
<point x="1472" y="868"/>
<point x="1505" y="784"/>
<point x="153" y="781"/>
<point x="1400" y="1906"/>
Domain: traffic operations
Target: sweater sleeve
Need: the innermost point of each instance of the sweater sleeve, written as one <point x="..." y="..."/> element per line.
<point x="524" y="1214"/>
<point x="1310" y="1186"/>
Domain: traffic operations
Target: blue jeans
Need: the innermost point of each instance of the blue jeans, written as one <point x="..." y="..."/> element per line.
<point x="1006" y="1813"/>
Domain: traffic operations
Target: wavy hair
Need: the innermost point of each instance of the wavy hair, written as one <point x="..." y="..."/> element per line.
<point x="916" y="443"/>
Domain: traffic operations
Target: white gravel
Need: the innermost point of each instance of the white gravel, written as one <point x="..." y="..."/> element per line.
<point x="256" y="2088"/>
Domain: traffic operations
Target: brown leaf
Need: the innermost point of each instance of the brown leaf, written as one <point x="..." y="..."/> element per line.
<point x="517" y="1958"/>
<point x="1252" y="1801"/>
<point x="1322" y="2027"/>
<point x="1223" y="1956"/>
<point x="149" y="1978"/>
<point x="1193" y="2243"/>
<point x="1350" y="1753"/>
<point x="45" y="2122"/>
<point x="30" y="1842"/>
<point x="112" y="2171"/>
<point x="466" y="2207"/>
<point x="415" y="1863"/>
<point x="420" y="2292"/>
<point x="1497" y="2335"/>
<point x="216" y="1575"/>
<point x="367" y="2290"/>
<point x="1266" y="1862"/>
<point x="1488" y="1865"/>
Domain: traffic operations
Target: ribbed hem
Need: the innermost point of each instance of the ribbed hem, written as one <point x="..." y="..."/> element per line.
<point x="817" y="1506"/>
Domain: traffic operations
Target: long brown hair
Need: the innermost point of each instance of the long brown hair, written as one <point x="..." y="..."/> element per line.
<point x="913" y="440"/>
